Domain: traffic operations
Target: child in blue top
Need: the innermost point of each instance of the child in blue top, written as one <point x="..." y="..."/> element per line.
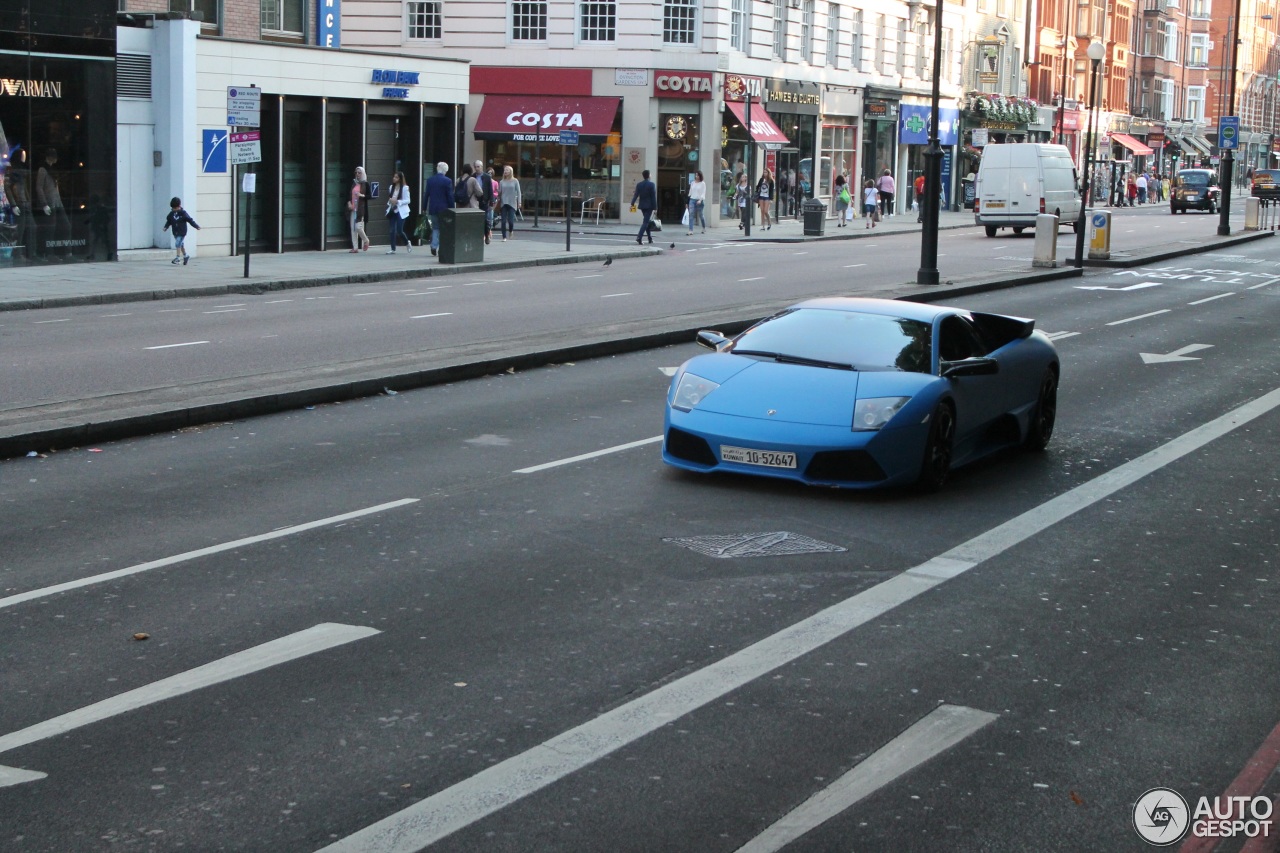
<point x="178" y="219"/>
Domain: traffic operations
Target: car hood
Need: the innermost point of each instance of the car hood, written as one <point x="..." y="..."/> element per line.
<point x="787" y="393"/>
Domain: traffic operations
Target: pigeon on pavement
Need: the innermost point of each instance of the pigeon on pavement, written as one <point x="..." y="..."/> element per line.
<point x="673" y="245"/>
<point x="608" y="261"/>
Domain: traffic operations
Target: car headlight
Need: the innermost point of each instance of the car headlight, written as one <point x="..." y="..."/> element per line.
<point x="691" y="391"/>
<point x="875" y="412"/>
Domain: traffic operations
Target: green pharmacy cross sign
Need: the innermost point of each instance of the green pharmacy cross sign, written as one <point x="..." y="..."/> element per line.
<point x="914" y="124"/>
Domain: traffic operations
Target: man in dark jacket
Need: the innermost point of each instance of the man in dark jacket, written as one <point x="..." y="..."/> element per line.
<point x="646" y="199"/>
<point x="486" y="183"/>
<point x="439" y="196"/>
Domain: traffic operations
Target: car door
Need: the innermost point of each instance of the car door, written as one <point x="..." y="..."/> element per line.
<point x="979" y="399"/>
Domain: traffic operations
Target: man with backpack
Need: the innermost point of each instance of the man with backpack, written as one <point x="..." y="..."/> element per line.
<point x="488" y="195"/>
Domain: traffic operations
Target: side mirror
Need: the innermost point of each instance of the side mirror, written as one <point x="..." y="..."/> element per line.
<point x="712" y="340"/>
<point x="980" y="366"/>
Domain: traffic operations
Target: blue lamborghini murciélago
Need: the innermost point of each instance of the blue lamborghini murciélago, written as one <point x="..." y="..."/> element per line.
<point x="861" y="393"/>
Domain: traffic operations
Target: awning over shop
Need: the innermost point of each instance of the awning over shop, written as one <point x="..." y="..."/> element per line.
<point x="1193" y="145"/>
<point x="762" y="128"/>
<point x="534" y="118"/>
<point x="1132" y="144"/>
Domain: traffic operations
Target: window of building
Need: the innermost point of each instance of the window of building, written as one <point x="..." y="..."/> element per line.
<point x="855" y="49"/>
<point x="780" y="28"/>
<point x="208" y="10"/>
<point x="424" y="20"/>
<point x="878" y="61"/>
<point x="1195" y="103"/>
<point x="1146" y="38"/>
<point x="282" y="16"/>
<point x="900" y="47"/>
<point x="738" y="22"/>
<point x="1199" y="8"/>
<point x="806" y="31"/>
<point x="598" y="21"/>
<point x="679" y="21"/>
<point x="1002" y="8"/>
<point x="529" y="20"/>
<point x="1199" y="50"/>
<point x="1164" y="99"/>
<point x="833" y="35"/>
<point x="924" y="44"/>
<point x="1170" y="51"/>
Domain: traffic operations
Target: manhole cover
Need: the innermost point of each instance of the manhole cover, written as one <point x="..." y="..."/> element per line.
<point x="775" y="544"/>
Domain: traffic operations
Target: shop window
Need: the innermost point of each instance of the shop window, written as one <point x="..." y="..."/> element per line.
<point x="424" y="20"/>
<point x="598" y="21"/>
<point x="282" y="17"/>
<point x="528" y="20"/>
<point x="679" y="21"/>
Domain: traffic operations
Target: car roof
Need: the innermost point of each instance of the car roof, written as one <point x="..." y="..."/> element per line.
<point x="885" y="307"/>
<point x="1197" y="172"/>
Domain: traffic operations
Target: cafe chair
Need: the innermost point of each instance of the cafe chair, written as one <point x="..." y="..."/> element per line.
<point x="591" y="205"/>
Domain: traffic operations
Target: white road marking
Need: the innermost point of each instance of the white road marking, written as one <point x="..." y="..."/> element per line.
<point x="754" y="278"/>
<point x="1139" y="286"/>
<point x="374" y="293"/>
<point x="705" y="263"/>
<point x="495" y="281"/>
<point x="324" y="636"/>
<point x="941" y="729"/>
<point x="615" y="449"/>
<point x="1264" y="284"/>
<point x="187" y="344"/>
<point x="851" y="266"/>
<point x="1176" y="355"/>
<point x="668" y="371"/>
<point x="1141" y="317"/>
<point x="130" y="314"/>
<point x="47" y="591"/>
<point x="1057" y="336"/>
<point x="63" y="320"/>
<point x="1210" y="299"/>
<point x="799" y="253"/>
<point x="224" y="311"/>
<point x="173" y="310"/>
<point x="277" y="301"/>
<point x="425" y="316"/>
<point x="232" y="305"/>
<point x="506" y="782"/>
<point x="593" y="275"/>
<point x="612" y="295"/>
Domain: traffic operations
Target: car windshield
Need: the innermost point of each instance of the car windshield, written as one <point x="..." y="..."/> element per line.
<point x="1194" y="179"/>
<point x="827" y="336"/>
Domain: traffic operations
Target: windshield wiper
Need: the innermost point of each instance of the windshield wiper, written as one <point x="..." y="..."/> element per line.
<point x="796" y="359"/>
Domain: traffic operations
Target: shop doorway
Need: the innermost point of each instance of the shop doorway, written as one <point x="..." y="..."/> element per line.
<point x="678" y="138"/>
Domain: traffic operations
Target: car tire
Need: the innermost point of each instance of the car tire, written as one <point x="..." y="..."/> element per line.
<point x="936" y="465"/>
<point x="1018" y="229"/>
<point x="1044" y="415"/>
<point x="991" y="231"/>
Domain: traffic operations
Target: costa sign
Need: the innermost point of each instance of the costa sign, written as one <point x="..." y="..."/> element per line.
<point x="683" y="84"/>
<point x="545" y="120"/>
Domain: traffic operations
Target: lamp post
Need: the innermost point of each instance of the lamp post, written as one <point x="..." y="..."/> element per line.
<point x="1062" y="92"/>
<point x="1096" y="51"/>
<point x="928" y="272"/>
<point x="1228" y="156"/>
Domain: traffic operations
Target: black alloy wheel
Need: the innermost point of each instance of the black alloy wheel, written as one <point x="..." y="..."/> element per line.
<point x="936" y="466"/>
<point x="1045" y="414"/>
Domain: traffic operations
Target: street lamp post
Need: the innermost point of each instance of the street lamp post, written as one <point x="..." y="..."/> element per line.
<point x="1228" y="155"/>
<point x="1096" y="51"/>
<point x="928" y="272"/>
<point x="1062" y="96"/>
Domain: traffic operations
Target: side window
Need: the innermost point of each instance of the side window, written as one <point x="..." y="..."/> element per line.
<point x="959" y="340"/>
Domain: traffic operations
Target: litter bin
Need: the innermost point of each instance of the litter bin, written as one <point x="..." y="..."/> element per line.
<point x="461" y="235"/>
<point x="815" y="217"/>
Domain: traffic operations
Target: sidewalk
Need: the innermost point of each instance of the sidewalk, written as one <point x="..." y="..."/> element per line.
<point x="151" y="275"/>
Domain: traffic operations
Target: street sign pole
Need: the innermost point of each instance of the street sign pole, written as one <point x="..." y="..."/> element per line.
<point x="244" y="110"/>
<point x="568" y="139"/>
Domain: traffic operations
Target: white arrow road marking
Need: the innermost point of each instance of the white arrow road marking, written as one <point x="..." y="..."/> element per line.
<point x="499" y="785"/>
<point x="202" y="552"/>
<point x="1138" y="286"/>
<point x="316" y="639"/>
<point x="1176" y="355"/>
<point x="940" y="730"/>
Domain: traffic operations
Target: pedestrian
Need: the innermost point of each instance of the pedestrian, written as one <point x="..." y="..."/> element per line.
<point x="16" y="179"/>
<point x="510" y="199"/>
<point x="1131" y="190"/>
<point x="488" y="195"/>
<point x="742" y="196"/>
<point x="358" y="210"/>
<point x="57" y="226"/>
<point x="919" y="188"/>
<point x="765" y="191"/>
<point x="178" y="220"/>
<point x="843" y="200"/>
<point x="439" y="196"/>
<point x="886" y="188"/>
<point x="645" y="198"/>
<point x="870" y="198"/>
<point x="1142" y="187"/>
<point x="398" y="212"/>
<point x="466" y="190"/>
<point x="784" y="192"/>
<point x="697" y="203"/>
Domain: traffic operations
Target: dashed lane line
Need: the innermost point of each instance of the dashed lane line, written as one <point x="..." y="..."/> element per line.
<point x="426" y="316"/>
<point x="1211" y="298"/>
<point x="533" y="469"/>
<point x="172" y="346"/>
<point x="1140" y="317"/>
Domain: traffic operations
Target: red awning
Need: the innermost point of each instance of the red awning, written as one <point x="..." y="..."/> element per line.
<point x="533" y="118"/>
<point x="1132" y="144"/>
<point x="762" y="129"/>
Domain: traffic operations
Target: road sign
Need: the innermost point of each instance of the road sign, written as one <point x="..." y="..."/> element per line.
<point x="1228" y="132"/>
<point x="245" y="147"/>
<point x="244" y="106"/>
<point x="568" y="137"/>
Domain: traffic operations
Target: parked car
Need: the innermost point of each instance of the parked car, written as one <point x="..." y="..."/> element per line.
<point x="861" y="393"/>
<point x="1019" y="181"/>
<point x="1194" y="189"/>
<point x="1266" y="183"/>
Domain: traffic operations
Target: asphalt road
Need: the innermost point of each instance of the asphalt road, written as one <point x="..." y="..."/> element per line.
<point x="551" y="671"/>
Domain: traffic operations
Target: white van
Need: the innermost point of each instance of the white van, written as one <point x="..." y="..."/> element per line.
<point x="1018" y="181"/>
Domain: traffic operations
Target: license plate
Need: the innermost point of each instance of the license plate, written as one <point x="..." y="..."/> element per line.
<point x="993" y="205"/>
<point x="766" y="458"/>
